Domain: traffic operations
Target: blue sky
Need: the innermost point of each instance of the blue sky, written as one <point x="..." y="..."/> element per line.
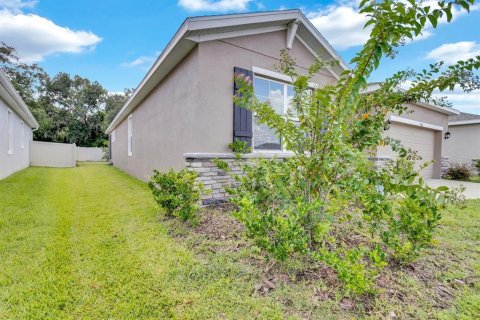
<point x="116" y="41"/>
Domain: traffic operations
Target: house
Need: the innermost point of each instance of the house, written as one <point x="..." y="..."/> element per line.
<point x="16" y="125"/>
<point x="182" y="112"/>
<point x="463" y="146"/>
<point x="423" y="128"/>
<point x="184" y="103"/>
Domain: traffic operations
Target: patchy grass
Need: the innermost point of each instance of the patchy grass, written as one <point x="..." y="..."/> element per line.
<point x="475" y="179"/>
<point x="89" y="242"/>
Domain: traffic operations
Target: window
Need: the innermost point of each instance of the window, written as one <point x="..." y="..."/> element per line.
<point x="10" y="131"/>
<point x="113" y="136"/>
<point x="279" y="96"/>
<point x="130" y="135"/>
<point x="22" y="135"/>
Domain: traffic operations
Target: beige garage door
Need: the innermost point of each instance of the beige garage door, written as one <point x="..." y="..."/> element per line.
<point x="416" y="138"/>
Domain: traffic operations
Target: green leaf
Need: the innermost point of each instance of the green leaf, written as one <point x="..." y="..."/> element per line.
<point x="433" y="20"/>
<point x="448" y="12"/>
<point x="464" y="4"/>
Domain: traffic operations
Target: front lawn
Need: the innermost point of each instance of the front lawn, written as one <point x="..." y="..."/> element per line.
<point x="89" y="242"/>
<point x="475" y="179"/>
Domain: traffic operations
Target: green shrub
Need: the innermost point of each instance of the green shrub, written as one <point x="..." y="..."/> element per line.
<point x="324" y="198"/>
<point x="321" y="200"/>
<point x="239" y="146"/>
<point x="477" y="165"/>
<point x="176" y="192"/>
<point x="459" y="171"/>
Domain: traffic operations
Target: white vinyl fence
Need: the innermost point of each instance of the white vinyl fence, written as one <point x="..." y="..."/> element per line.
<point x="89" y="154"/>
<point x="50" y="154"/>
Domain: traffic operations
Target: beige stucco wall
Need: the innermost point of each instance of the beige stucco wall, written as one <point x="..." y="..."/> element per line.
<point x="164" y="124"/>
<point x="192" y="109"/>
<point x="464" y="143"/>
<point x="19" y="158"/>
<point x="419" y="113"/>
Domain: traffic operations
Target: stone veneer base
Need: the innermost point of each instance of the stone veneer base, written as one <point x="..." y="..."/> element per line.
<point x="215" y="180"/>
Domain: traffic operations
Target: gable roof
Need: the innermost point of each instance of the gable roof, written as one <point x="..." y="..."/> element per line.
<point x="15" y="102"/>
<point x="373" y="86"/>
<point x="464" y="118"/>
<point x="205" y="28"/>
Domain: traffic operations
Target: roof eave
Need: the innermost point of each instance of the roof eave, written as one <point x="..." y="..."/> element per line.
<point x="464" y="122"/>
<point x="374" y="86"/>
<point x="444" y="110"/>
<point x="16" y="103"/>
<point x="136" y="95"/>
<point x="197" y="23"/>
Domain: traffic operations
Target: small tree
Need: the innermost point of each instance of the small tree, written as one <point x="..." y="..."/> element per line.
<point x="328" y="191"/>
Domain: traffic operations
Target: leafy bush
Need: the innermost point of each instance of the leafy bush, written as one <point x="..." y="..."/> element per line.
<point x="239" y="146"/>
<point x="324" y="199"/>
<point x="459" y="171"/>
<point x="406" y="211"/>
<point x="477" y="166"/>
<point x="321" y="200"/>
<point x="275" y="220"/>
<point x="176" y="192"/>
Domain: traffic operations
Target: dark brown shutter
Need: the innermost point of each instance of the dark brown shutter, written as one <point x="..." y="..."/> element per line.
<point x="242" y="117"/>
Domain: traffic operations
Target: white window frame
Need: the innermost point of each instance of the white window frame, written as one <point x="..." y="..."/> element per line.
<point x="22" y="135"/>
<point x="285" y="81"/>
<point x="130" y="135"/>
<point x="10" y="131"/>
<point x="113" y="136"/>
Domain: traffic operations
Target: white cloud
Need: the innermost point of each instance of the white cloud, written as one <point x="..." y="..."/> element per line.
<point x="17" y="5"/>
<point x="35" y="37"/>
<point x="142" y="61"/>
<point x="457" y="11"/>
<point x="460" y="100"/>
<point x="466" y="102"/>
<point x="342" y="25"/>
<point x="453" y="52"/>
<point x="208" y="5"/>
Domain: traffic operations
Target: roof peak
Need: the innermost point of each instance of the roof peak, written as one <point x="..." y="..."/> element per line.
<point x="250" y="13"/>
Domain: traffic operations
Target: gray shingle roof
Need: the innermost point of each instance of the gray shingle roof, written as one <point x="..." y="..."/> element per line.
<point x="463" y="116"/>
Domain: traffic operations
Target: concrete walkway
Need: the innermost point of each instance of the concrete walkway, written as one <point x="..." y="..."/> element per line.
<point x="472" y="190"/>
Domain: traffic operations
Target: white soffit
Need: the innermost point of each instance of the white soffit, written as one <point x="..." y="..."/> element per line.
<point x="415" y="123"/>
<point x="463" y="122"/>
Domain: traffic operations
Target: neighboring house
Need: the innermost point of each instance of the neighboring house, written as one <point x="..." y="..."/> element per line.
<point x="184" y="108"/>
<point x="463" y="146"/>
<point x="422" y="128"/>
<point x="16" y="124"/>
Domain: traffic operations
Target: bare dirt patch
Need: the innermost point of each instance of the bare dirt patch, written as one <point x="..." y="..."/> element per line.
<point x="217" y="223"/>
<point x="425" y="285"/>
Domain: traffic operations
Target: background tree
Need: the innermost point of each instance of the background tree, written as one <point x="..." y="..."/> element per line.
<point x="83" y="104"/>
<point x="68" y="109"/>
<point x="113" y="103"/>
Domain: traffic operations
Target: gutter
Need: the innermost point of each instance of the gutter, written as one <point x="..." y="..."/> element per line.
<point x="16" y="102"/>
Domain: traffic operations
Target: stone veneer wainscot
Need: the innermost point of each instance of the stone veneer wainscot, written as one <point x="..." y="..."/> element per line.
<point x="216" y="180"/>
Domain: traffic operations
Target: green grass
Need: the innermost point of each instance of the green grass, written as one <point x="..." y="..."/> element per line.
<point x="475" y="179"/>
<point x="86" y="243"/>
<point x="89" y="242"/>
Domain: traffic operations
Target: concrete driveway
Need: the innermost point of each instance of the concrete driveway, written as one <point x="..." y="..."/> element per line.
<point x="472" y="190"/>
